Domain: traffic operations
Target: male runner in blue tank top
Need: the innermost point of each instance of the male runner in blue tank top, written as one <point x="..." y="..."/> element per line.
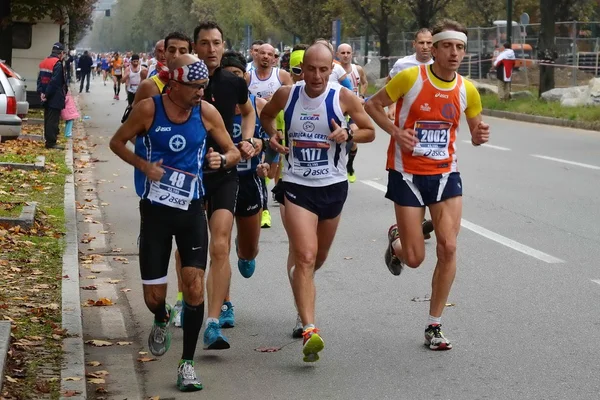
<point x="170" y="151"/>
<point x="315" y="181"/>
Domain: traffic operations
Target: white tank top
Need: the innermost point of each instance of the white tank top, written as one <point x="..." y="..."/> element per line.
<point x="314" y="160"/>
<point x="134" y="80"/>
<point x="264" y="88"/>
<point x="355" y="79"/>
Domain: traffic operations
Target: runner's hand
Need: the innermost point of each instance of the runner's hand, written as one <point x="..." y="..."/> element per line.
<point x="275" y="143"/>
<point x="153" y="170"/>
<point x="391" y="112"/>
<point x="339" y="134"/>
<point x="481" y="134"/>
<point x="262" y="170"/>
<point x="246" y="149"/>
<point x="213" y="158"/>
<point x="407" y="139"/>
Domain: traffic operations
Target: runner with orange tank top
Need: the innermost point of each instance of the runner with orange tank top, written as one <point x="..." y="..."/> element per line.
<point x="422" y="162"/>
<point x="117" y="73"/>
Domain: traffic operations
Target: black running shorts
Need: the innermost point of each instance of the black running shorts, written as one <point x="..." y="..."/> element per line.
<point x="220" y="191"/>
<point x="326" y="202"/>
<point x="249" y="198"/>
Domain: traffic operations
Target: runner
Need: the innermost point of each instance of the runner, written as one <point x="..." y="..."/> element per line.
<point x="422" y="161"/>
<point x="132" y="78"/>
<point x="359" y="87"/>
<point x="117" y="73"/>
<point x="315" y="181"/>
<point x="170" y="131"/>
<point x="338" y="74"/>
<point x="263" y="81"/>
<point x="225" y="91"/>
<point x="105" y="65"/>
<point x="254" y="55"/>
<point x="159" y="60"/>
<point x="177" y="44"/>
<point x="249" y="197"/>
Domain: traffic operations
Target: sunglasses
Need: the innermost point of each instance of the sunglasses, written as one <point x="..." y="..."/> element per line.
<point x="296" y="70"/>
<point x="195" y="86"/>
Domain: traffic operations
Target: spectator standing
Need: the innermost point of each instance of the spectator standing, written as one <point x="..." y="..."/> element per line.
<point x="52" y="88"/>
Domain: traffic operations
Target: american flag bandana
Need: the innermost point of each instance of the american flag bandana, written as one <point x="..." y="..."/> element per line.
<point x="189" y="73"/>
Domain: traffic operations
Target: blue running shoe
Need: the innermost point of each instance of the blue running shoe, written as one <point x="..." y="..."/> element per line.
<point x="214" y="339"/>
<point x="227" y="319"/>
<point x="246" y="267"/>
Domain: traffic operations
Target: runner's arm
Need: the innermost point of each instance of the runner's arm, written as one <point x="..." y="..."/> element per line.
<point x="143" y="73"/>
<point x="375" y="107"/>
<point x="285" y="78"/>
<point x="480" y="131"/>
<point x="146" y="90"/>
<point x="352" y="106"/>
<point x="269" y="114"/>
<point x="364" y="83"/>
<point x="135" y="125"/>
<point x="215" y="126"/>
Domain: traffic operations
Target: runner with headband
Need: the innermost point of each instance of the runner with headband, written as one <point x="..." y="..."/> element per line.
<point x="422" y="162"/>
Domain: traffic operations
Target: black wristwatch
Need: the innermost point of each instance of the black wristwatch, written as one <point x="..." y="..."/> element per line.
<point x="350" y="134"/>
<point x="251" y="141"/>
<point x="223" y="161"/>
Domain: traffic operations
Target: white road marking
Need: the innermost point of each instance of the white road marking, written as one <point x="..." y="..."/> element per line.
<point x="560" y="160"/>
<point x="547" y="258"/>
<point x="596" y="281"/>
<point x="491" y="146"/>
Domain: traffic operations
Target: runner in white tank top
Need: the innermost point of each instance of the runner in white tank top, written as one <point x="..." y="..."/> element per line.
<point x="264" y="80"/>
<point x="133" y="78"/>
<point x="314" y="183"/>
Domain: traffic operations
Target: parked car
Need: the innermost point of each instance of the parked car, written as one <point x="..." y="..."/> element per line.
<point x="18" y="85"/>
<point x="10" y="123"/>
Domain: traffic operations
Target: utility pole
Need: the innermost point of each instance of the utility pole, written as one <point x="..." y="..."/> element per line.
<point x="509" y="27"/>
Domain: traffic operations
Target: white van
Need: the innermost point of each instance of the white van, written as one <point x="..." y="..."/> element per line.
<point x="32" y="42"/>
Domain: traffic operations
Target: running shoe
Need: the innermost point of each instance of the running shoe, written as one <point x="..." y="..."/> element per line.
<point x="214" y="339"/>
<point x="427" y="227"/>
<point x="159" y="339"/>
<point x="178" y="311"/>
<point x="227" y="319"/>
<point x="187" y="381"/>
<point x="352" y="177"/>
<point x="246" y="267"/>
<point x="313" y="344"/>
<point x="391" y="260"/>
<point x="265" y="221"/>
<point x="297" y="332"/>
<point x="117" y="97"/>
<point x="434" y="338"/>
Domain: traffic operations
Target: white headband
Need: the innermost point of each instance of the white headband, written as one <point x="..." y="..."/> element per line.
<point x="445" y="35"/>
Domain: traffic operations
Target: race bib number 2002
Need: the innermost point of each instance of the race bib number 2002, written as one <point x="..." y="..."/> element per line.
<point x="434" y="138"/>
<point x="175" y="189"/>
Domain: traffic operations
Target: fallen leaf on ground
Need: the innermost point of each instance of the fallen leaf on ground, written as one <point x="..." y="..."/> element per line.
<point x="450" y="304"/>
<point x="268" y="349"/>
<point x="72" y="378"/>
<point x="117" y="250"/>
<point x="90" y="277"/>
<point x="154" y="398"/>
<point x="11" y="380"/>
<point x="98" y="343"/>
<point x="142" y="353"/>
<point x="93" y="363"/>
<point x="97" y="381"/>
<point x="123" y="187"/>
<point x="105" y="204"/>
<point x="146" y="359"/>
<point x="125" y="290"/>
<point x="347" y="258"/>
<point x="113" y="281"/>
<point x="71" y="393"/>
<point x="102" y="373"/>
<point x="90" y="287"/>
<point x="103" y="302"/>
<point x="101" y="390"/>
<point x="124" y="343"/>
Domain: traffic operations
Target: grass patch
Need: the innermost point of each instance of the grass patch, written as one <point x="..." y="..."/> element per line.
<point x="31" y="274"/>
<point x="18" y="158"/>
<point x="35" y="113"/>
<point x="10" y="209"/>
<point x="535" y="106"/>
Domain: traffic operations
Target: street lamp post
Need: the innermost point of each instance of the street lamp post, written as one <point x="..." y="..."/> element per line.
<point x="509" y="11"/>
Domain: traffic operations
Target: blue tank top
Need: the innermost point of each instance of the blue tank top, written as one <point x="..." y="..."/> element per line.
<point x="247" y="166"/>
<point x="104" y="63"/>
<point x="181" y="147"/>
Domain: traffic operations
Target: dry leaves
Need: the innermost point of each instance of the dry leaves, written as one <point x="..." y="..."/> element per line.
<point x="98" y="343"/>
<point x="124" y="343"/>
<point x="93" y="363"/>
<point x="102" y="302"/>
<point x="72" y="378"/>
<point x="122" y="259"/>
<point x="113" y="281"/>
<point x="89" y="287"/>
<point x="146" y="359"/>
<point x="267" y="349"/>
<point x="71" y="393"/>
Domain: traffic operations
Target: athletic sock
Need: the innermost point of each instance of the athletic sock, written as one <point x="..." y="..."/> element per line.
<point x="308" y="326"/>
<point x="434" y="320"/>
<point x="160" y="314"/>
<point x="209" y="320"/>
<point x="350" y="165"/>
<point x="180" y="296"/>
<point x="191" y="322"/>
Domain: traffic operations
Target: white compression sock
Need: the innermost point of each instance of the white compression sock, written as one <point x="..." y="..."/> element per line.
<point x="434" y="320"/>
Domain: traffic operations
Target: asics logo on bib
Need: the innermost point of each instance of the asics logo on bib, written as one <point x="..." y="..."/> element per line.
<point x="177" y="143"/>
<point x="163" y="129"/>
<point x="441" y="95"/>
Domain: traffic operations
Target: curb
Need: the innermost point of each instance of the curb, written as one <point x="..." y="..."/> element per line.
<point x="25" y="219"/>
<point x="5" y="329"/>
<point x="537" y="119"/>
<point x="73" y="359"/>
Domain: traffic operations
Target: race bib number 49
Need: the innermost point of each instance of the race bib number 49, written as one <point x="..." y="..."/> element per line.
<point x="434" y="138"/>
<point x="175" y="189"/>
<point x="310" y="158"/>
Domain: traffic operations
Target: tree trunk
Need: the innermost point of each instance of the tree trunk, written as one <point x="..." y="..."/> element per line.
<point x="546" y="46"/>
<point x="5" y="32"/>
<point x="384" y="46"/>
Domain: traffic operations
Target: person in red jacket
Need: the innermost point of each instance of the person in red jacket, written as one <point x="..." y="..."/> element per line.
<point x="52" y="88"/>
<point x="504" y="64"/>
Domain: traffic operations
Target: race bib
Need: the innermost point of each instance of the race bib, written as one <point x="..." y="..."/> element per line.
<point x="244" y="165"/>
<point x="310" y="158"/>
<point x="133" y="88"/>
<point x="117" y="71"/>
<point x="175" y="189"/>
<point x="434" y="137"/>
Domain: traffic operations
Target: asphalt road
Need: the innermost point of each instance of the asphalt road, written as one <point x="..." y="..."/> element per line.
<point x="525" y="298"/>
